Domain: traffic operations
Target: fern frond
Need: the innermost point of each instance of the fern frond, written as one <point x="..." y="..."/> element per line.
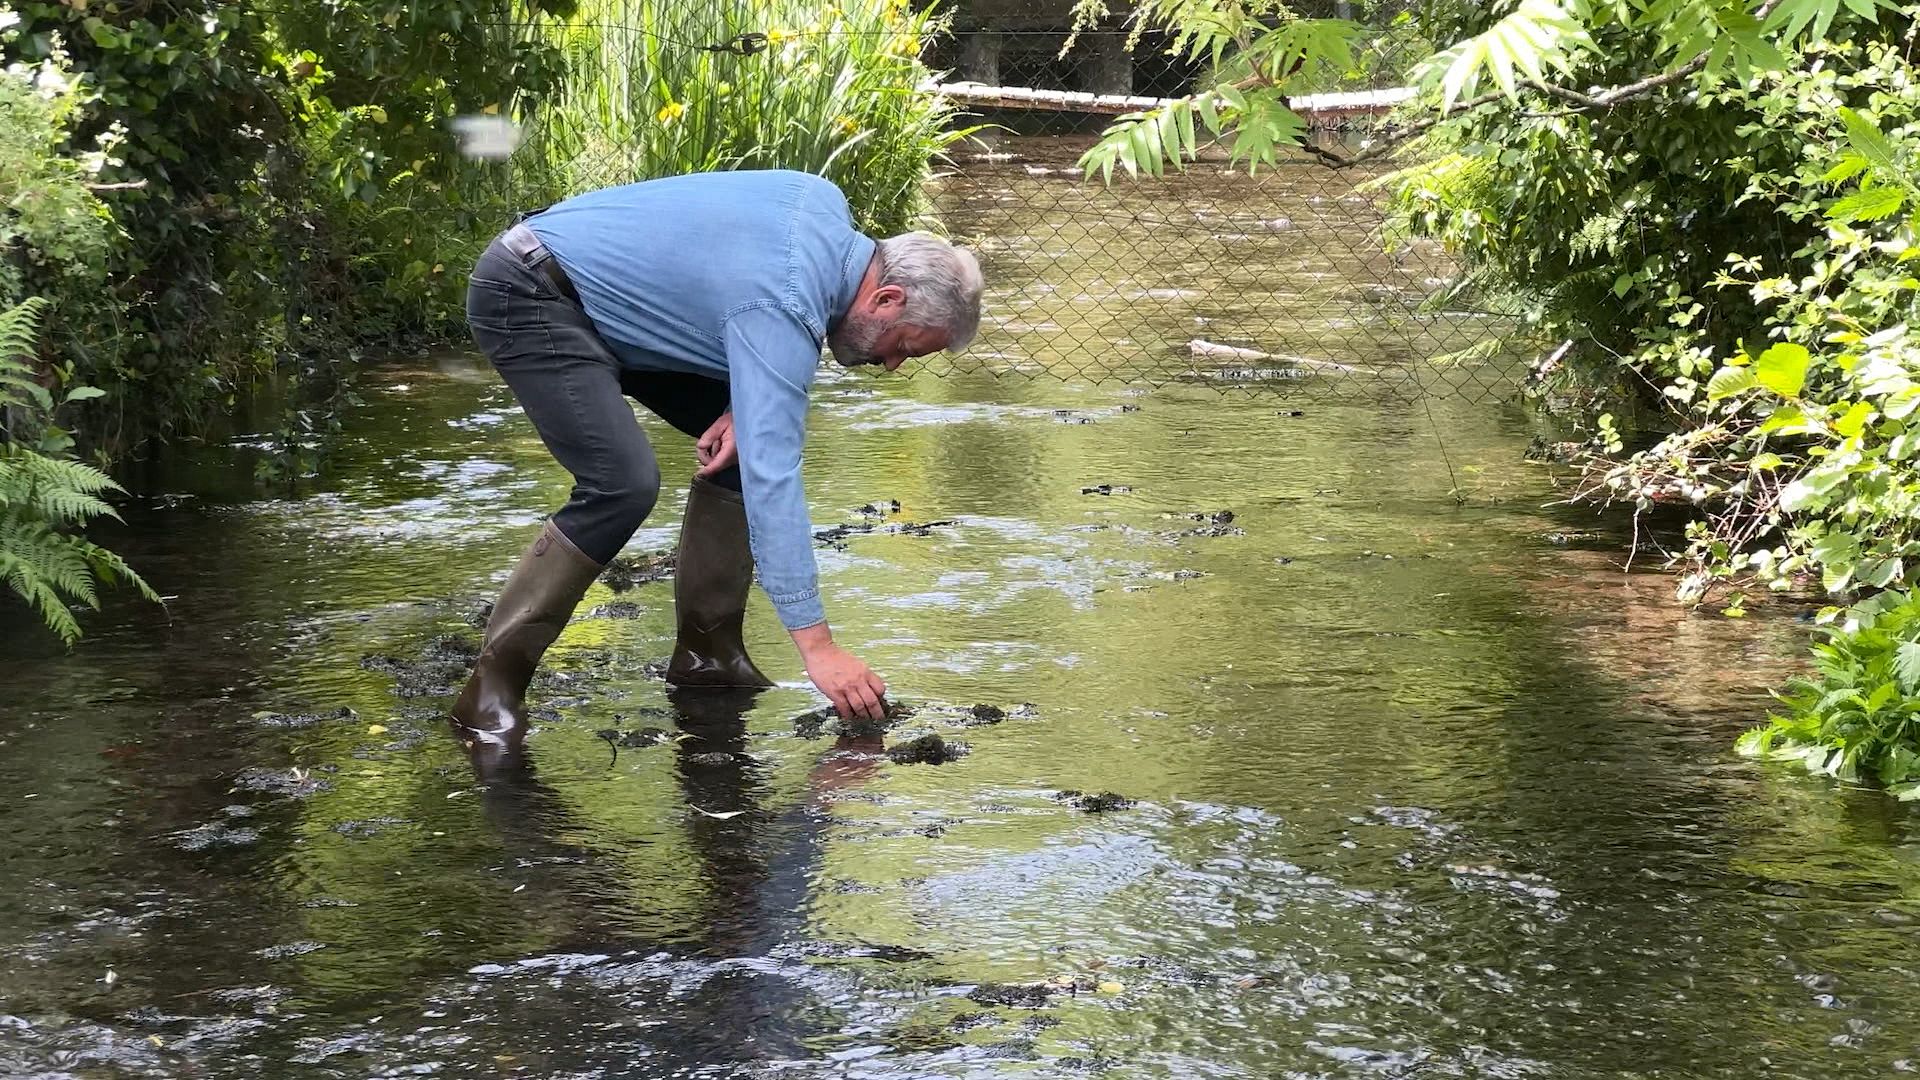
<point x="20" y="328"/>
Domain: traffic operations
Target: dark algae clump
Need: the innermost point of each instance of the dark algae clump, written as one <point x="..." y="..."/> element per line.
<point x="927" y="750"/>
<point x="1013" y="995"/>
<point x="1104" y="802"/>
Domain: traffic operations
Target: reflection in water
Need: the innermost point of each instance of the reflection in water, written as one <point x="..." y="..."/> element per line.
<point x="1420" y="788"/>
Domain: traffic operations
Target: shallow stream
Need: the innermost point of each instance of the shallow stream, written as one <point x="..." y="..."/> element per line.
<point x="1411" y="785"/>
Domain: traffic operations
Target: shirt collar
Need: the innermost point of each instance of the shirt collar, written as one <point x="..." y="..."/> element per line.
<point x="852" y="271"/>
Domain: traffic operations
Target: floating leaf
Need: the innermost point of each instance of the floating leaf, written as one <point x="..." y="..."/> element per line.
<point x="376" y="729"/>
<point x="1111" y="987"/>
<point x="722" y="815"/>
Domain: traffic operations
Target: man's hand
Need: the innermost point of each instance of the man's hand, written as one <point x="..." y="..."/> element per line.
<point x="856" y="691"/>
<point x="715" y="449"/>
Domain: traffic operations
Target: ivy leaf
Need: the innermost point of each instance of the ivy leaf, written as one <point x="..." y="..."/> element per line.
<point x="1783" y="369"/>
<point x="1729" y="381"/>
<point x="1906" y="667"/>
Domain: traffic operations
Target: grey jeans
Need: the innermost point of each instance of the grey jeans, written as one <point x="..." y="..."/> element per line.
<point x="574" y="391"/>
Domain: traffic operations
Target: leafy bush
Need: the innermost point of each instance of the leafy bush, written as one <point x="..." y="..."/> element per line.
<point x="829" y="90"/>
<point x="1859" y="715"/>
<point x="45" y="495"/>
<point x="62" y="238"/>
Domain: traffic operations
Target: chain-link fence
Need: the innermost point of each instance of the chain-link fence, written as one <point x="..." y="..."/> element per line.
<point x="1276" y="280"/>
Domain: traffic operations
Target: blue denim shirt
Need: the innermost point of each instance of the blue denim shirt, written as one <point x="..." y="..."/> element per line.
<point x="737" y="276"/>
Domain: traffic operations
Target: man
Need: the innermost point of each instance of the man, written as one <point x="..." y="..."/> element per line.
<point x="705" y="298"/>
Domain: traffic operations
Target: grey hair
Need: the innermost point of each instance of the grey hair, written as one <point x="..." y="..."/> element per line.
<point x="942" y="282"/>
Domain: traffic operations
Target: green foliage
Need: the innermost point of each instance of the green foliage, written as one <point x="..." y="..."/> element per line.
<point x="44" y="496"/>
<point x="831" y="90"/>
<point x="1259" y="51"/>
<point x="281" y="180"/>
<point x="1858" y="715"/>
<point x="1265" y="50"/>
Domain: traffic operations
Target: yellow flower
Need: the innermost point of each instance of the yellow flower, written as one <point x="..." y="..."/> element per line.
<point x="775" y="35"/>
<point x="723" y="89"/>
<point x="847" y="124"/>
<point x="670" y="112"/>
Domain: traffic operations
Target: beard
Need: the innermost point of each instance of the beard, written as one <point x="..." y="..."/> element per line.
<point x="853" y="340"/>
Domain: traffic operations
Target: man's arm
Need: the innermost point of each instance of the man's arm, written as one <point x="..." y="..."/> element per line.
<point x="771" y="357"/>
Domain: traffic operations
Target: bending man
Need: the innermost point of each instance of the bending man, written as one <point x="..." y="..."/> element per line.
<point x="706" y="298"/>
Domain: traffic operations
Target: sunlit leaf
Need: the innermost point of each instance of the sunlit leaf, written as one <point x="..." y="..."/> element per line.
<point x="1906" y="667"/>
<point x="1870" y="204"/>
<point x="1854" y="421"/>
<point x="1729" y="381"/>
<point x="1783" y="368"/>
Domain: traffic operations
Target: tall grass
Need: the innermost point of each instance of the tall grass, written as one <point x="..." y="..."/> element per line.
<point x="835" y="92"/>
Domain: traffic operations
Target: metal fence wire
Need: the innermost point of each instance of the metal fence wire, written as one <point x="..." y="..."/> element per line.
<point x="1276" y="282"/>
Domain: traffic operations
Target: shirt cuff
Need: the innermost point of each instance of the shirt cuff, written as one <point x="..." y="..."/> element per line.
<point x="800" y="610"/>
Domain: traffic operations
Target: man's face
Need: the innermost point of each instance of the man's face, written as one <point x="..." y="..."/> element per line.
<point x="862" y="339"/>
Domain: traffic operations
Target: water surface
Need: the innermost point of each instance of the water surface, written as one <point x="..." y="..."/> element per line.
<point x="1422" y="783"/>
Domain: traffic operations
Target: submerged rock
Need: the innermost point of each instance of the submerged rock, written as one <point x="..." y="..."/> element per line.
<point x="812" y="725"/>
<point x="967" y="1021"/>
<point x="1104" y="802"/>
<point x="619" y="609"/>
<point x="881" y="508"/>
<point x="214" y="835"/>
<point x="369" y="827"/>
<point x="1013" y="995"/>
<point x="439" y="670"/>
<point x="630" y="571"/>
<point x="833" y="535"/>
<point x="1106" y="489"/>
<point x="927" y="750"/>
<point x="634" y="740"/>
<point x="302" y="720"/>
<point x="296" y="783"/>
<point x="297" y="948"/>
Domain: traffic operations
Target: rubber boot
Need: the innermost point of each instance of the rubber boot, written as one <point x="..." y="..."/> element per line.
<point x="490" y="715"/>
<point x="710" y="584"/>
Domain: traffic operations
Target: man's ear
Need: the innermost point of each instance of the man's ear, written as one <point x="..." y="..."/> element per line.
<point x="889" y="296"/>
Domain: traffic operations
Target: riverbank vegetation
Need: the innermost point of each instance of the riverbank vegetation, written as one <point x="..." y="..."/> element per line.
<point x="201" y="200"/>
<point x="1705" y="213"/>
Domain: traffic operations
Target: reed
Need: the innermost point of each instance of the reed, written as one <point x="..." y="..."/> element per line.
<point x="834" y="91"/>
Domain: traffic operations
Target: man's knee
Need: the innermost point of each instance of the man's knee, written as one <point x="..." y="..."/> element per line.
<point x="634" y="496"/>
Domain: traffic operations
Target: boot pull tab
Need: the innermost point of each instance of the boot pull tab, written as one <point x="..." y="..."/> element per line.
<point x="541" y="545"/>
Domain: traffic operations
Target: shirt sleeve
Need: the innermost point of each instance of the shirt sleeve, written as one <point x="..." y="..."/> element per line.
<point x="771" y="357"/>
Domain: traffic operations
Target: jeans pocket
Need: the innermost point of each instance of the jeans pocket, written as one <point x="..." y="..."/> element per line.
<point x="490" y="318"/>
